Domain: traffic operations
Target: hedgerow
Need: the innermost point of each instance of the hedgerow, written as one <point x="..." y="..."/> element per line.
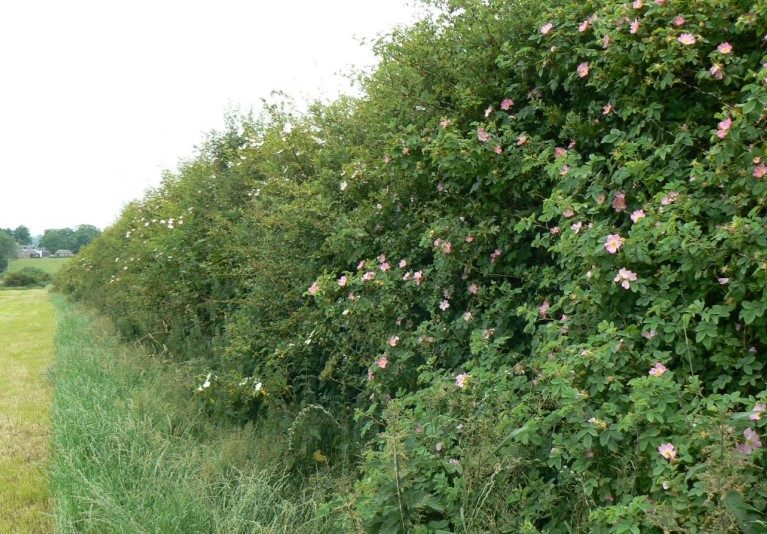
<point x="519" y="285"/>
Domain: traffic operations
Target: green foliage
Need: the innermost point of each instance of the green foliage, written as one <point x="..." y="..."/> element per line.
<point x="68" y="238"/>
<point x="7" y="249"/>
<point x="511" y="271"/>
<point x="27" y="277"/>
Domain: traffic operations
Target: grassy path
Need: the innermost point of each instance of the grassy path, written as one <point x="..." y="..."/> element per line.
<point x="27" y="322"/>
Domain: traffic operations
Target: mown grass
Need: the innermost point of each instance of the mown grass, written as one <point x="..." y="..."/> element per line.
<point x="49" y="265"/>
<point x="27" y="324"/>
<point x="133" y="454"/>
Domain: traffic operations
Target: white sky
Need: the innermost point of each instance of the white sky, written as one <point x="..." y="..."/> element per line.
<point x="97" y="97"/>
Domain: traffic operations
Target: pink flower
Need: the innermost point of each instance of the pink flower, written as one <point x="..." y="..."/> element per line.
<point x="467" y="316"/>
<point x="368" y="276"/>
<point x="687" y="39"/>
<point x="679" y="21"/>
<point x="584" y="26"/>
<point x="522" y="140"/>
<point x="564" y="170"/>
<point x="606" y="41"/>
<point x="760" y="171"/>
<point x="382" y="362"/>
<point x="638" y="4"/>
<point x="660" y="2"/>
<point x="402" y="263"/>
<point x="437" y="242"/>
<point x="583" y="69"/>
<point x="352" y="296"/>
<point x="546" y="28"/>
<point x="619" y="202"/>
<point x="636" y="215"/>
<point x="314" y="288"/>
<point x="559" y="152"/>
<point x="361" y="265"/>
<point x="716" y="71"/>
<point x="543" y="309"/>
<point x="506" y="104"/>
<point x="444" y="305"/>
<point x="625" y="277"/>
<point x="483" y="135"/>
<point x="613" y="243"/>
<point x="488" y="111"/>
<point x="473" y="288"/>
<point x="658" y="369"/>
<point x="724" y="48"/>
<point x="752" y="442"/>
<point x="670" y="198"/>
<point x="469" y="238"/>
<point x="440" y="186"/>
<point x="385" y="266"/>
<point x="460" y="380"/>
<point x="554" y="230"/>
<point x="447" y="248"/>
<point x="668" y="451"/>
<point x="577" y="227"/>
<point x="444" y="123"/>
<point x="634" y="27"/>
<point x="418" y="277"/>
<point x="343" y="281"/>
<point x="649" y="334"/>
<point x="393" y="341"/>
<point x="495" y="255"/>
<point x="756" y="413"/>
<point x="607" y="109"/>
<point x="568" y="213"/>
<point x="723" y="281"/>
<point x="498" y="149"/>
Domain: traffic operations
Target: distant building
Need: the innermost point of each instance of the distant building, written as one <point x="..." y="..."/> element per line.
<point x="64" y="253"/>
<point x="29" y="251"/>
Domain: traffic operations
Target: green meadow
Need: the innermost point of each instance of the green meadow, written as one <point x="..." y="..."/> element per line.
<point x="27" y="323"/>
<point x="49" y="265"/>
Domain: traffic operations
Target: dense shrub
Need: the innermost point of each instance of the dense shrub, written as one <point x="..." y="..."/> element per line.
<point x="27" y="277"/>
<point x="520" y="285"/>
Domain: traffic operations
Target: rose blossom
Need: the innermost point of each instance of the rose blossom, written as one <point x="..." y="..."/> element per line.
<point x="382" y="362"/>
<point x="724" y="48"/>
<point x="760" y="171"/>
<point x="460" y="380"/>
<point x="393" y="341"/>
<point x="583" y="69"/>
<point x="687" y="39"/>
<point x="636" y="215"/>
<point x="756" y="413"/>
<point x="625" y="277"/>
<point x="613" y="243"/>
<point x="314" y="288"/>
<point x="658" y="369"/>
<point x="483" y="135"/>
<point x="342" y="281"/>
<point x="543" y="309"/>
<point x="506" y="104"/>
<point x="546" y="28"/>
<point x="668" y="451"/>
<point x="619" y="202"/>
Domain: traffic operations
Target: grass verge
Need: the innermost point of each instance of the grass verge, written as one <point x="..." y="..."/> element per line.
<point x="133" y="454"/>
<point x="27" y="323"/>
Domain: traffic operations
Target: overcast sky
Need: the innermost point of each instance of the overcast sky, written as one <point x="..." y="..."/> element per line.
<point x="98" y="97"/>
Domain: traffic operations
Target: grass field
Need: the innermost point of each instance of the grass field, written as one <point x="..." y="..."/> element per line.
<point x="27" y="322"/>
<point x="132" y="453"/>
<point x="49" y="265"/>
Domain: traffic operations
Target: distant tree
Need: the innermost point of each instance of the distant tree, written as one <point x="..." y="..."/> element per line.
<point x="57" y="239"/>
<point x="7" y="249"/>
<point x="68" y="239"/>
<point x="84" y="234"/>
<point x="22" y="236"/>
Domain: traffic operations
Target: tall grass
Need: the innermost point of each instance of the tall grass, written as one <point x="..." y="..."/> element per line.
<point x="133" y="454"/>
